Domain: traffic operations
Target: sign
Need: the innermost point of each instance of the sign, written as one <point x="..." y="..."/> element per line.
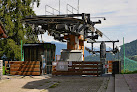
<point x="54" y="63"/>
<point x="70" y="63"/>
<point x="62" y="66"/>
<point x="105" y="66"/>
<point x="58" y="57"/>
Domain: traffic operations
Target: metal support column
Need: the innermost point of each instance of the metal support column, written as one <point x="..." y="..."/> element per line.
<point x="21" y="50"/>
<point x="124" y="53"/>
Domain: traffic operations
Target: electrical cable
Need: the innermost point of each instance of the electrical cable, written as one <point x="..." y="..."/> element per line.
<point x="109" y="39"/>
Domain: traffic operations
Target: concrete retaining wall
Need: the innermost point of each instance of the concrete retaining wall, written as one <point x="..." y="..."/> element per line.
<point x="1" y="69"/>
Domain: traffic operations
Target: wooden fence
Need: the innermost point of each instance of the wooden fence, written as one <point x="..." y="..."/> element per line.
<point x="24" y="67"/>
<point x="80" y="68"/>
<point x="1" y="69"/>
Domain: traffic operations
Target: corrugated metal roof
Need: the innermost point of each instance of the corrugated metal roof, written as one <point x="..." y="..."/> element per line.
<point x="35" y="44"/>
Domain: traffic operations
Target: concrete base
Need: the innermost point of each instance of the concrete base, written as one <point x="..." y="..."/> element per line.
<point x="71" y="55"/>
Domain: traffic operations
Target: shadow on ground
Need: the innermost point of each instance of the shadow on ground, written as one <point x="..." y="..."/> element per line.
<point x="67" y="84"/>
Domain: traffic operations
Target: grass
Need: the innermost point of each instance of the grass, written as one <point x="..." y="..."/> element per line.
<point x="40" y="85"/>
<point x="54" y="85"/>
<point x="47" y="81"/>
<point x="130" y="72"/>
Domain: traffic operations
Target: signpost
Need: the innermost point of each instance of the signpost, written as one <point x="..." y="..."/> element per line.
<point x="124" y="53"/>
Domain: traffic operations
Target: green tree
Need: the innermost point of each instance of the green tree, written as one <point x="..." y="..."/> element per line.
<point x="11" y="14"/>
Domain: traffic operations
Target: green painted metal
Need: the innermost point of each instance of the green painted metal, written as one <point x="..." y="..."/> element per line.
<point x="130" y="65"/>
<point x="124" y="53"/>
<point x="23" y="56"/>
<point x="21" y="50"/>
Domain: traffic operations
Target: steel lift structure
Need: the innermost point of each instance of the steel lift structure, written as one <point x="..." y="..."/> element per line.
<point x="71" y="28"/>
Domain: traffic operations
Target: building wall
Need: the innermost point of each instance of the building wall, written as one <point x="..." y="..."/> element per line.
<point x="33" y="53"/>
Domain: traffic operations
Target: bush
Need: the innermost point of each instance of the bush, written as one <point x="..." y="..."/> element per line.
<point x="129" y="72"/>
<point x="3" y="70"/>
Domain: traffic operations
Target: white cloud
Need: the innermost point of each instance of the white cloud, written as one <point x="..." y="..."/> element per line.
<point x="46" y="38"/>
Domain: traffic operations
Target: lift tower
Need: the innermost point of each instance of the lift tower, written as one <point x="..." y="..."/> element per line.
<point x="71" y="28"/>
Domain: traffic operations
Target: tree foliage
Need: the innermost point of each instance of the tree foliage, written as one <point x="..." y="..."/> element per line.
<point x="11" y="14"/>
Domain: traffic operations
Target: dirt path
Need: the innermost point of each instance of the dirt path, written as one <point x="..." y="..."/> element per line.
<point x="52" y="84"/>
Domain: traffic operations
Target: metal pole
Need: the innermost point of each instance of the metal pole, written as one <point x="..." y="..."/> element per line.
<point x="45" y="9"/>
<point x="78" y="6"/>
<point x="124" y="53"/>
<point x="67" y="9"/>
<point x="59" y="7"/>
<point x="21" y="50"/>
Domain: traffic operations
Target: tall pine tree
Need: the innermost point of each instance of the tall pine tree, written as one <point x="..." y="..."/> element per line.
<point x="11" y="14"/>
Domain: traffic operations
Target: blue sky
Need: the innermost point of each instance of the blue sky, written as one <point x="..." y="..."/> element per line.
<point x="121" y="16"/>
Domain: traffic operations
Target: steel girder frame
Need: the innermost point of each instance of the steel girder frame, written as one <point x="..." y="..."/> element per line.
<point x="77" y="24"/>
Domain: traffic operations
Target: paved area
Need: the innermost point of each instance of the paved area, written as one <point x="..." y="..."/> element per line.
<point x="121" y="84"/>
<point x="131" y="80"/>
<point x="111" y="85"/>
<point x="53" y="84"/>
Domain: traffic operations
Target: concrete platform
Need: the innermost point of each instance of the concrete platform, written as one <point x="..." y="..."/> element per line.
<point x="131" y="80"/>
<point x="111" y="85"/>
<point x="121" y="84"/>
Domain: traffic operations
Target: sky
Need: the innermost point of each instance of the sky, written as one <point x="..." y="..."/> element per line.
<point x="121" y="17"/>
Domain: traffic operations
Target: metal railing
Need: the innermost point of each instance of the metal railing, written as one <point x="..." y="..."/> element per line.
<point x="73" y="9"/>
<point x="53" y="10"/>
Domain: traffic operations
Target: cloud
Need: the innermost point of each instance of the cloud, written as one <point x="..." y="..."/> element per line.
<point x="121" y="20"/>
<point x="46" y="38"/>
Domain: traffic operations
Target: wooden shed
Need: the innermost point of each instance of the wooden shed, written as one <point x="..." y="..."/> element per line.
<point x="43" y="52"/>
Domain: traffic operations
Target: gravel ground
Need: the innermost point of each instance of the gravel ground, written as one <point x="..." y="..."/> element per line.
<point x="53" y="84"/>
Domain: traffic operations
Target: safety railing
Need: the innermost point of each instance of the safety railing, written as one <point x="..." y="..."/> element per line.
<point x="72" y="9"/>
<point x="52" y="12"/>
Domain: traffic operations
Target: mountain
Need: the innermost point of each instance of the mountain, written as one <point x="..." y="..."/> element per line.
<point x="96" y="57"/>
<point x="60" y="46"/>
<point x="130" y="52"/>
<point x="130" y="49"/>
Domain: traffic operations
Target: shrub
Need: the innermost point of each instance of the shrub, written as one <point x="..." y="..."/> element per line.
<point x="3" y="70"/>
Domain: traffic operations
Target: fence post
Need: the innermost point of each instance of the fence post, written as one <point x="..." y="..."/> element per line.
<point x="93" y="69"/>
<point x="97" y="69"/>
<point x="101" y="68"/>
<point x="1" y="69"/>
<point x="82" y="67"/>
